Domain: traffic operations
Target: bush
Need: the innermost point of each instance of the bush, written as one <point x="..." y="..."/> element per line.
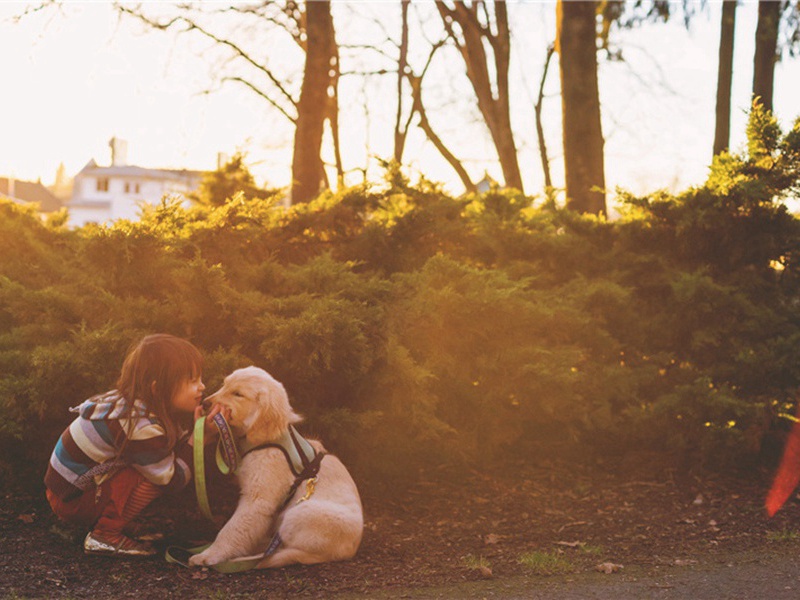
<point x="407" y="324"/>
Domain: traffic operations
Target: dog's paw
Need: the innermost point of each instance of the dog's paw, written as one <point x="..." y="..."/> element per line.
<point x="202" y="560"/>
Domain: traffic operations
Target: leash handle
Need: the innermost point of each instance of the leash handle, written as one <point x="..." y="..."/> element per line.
<point x="227" y="453"/>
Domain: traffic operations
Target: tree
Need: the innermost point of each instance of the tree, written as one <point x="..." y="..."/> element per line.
<point x="62" y="186"/>
<point x="548" y="183"/>
<point x="308" y="173"/>
<point x="401" y="124"/>
<point x="777" y="31"/>
<point x="240" y="33"/>
<point x="409" y="79"/>
<point x="229" y="179"/>
<point x="473" y="31"/>
<point x="582" y="129"/>
<point x="766" y="52"/>
<point x="725" y="76"/>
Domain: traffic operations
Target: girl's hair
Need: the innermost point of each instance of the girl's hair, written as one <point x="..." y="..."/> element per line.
<point x="153" y="370"/>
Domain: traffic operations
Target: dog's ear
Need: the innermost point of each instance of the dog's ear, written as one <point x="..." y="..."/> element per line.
<point x="273" y="413"/>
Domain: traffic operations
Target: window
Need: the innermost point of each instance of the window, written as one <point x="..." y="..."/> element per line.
<point x="102" y="184"/>
<point x="131" y="188"/>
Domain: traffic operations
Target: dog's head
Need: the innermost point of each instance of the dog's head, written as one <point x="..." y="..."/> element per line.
<point x="258" y="403"/>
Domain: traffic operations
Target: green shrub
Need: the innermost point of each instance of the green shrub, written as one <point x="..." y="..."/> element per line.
<point x="410" y="327"/>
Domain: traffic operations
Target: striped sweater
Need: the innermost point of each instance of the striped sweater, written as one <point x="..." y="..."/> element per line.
<point x="86" y="453"/>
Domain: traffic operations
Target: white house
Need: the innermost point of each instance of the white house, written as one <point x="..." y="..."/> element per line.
<point x="103" y="194"/>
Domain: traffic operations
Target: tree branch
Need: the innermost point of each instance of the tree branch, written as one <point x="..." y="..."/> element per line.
<point x="263" y="95"/>
<point x="191" y="25"/>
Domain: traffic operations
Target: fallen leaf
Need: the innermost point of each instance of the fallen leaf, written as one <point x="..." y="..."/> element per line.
<point x="571" y="544"/>
<point x="699" y="500"/>
<point x="485" y="572"/>
<point x="608" y="567"/>
<point x="680" y="562"/>
<point x="200" y="574"/>
<point x="492" y="538"/>
<point x="28" y="519"/>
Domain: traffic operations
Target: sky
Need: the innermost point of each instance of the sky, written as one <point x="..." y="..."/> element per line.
<point x="77" y="77"/>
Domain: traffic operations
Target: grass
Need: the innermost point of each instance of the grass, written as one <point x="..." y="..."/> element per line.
<point x="476" y="563"/>
<point x="545" y="563"/>
<point x="589" y="549"/>
<point x="784" y="535"/>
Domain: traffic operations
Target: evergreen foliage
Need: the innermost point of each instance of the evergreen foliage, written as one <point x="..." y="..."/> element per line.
<point x="409" y="326"/>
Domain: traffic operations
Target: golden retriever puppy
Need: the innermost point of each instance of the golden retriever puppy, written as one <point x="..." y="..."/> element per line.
<point x="312" y="524"/>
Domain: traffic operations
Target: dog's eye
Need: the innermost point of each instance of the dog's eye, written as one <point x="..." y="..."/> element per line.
<point x="238" y="394"/>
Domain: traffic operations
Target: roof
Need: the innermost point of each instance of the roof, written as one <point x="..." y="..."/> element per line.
<point x="29" y="191"/>
<point x="132" y="171"/>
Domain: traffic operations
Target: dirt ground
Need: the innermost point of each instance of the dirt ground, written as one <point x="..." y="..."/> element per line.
<point x="547" y="531"/>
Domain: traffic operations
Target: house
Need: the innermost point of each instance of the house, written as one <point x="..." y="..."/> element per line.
<point x="103" y="194"/>
<point x="486" y="184"/>
<point x="25" y="192"/>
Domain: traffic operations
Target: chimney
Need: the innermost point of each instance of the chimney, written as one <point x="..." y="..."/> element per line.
<point x="119" y="152"/>
<point x="11" y="186"/>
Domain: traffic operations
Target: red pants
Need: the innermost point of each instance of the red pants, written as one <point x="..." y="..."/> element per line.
<point x="101" y="507"/>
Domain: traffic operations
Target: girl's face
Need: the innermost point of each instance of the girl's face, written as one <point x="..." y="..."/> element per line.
<point x="188" y="395"/>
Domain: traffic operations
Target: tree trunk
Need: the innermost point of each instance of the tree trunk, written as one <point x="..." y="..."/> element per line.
<point x="401" y="131"/>
<point x="580" y="100"/>
<point x="548" y="182"/>
<point x="725" y="76"/>
<point x="769" y="15"/>
<point x="307" y="168"/>
<point x="333" y="108"/>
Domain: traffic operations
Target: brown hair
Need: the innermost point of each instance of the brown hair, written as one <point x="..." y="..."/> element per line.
<point x="153" y="370"/>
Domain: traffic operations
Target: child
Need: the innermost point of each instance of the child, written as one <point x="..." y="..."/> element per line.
<point x="126" y="447"/>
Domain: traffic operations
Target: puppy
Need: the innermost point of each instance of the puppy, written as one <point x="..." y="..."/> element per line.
<point x="326" y="526"/>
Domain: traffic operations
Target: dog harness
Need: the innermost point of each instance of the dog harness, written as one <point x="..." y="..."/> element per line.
<point x="301" y="457"/>
<point x="303" y="461"/>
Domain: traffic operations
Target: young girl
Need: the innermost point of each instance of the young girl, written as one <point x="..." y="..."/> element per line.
<point x="126" y="447"/>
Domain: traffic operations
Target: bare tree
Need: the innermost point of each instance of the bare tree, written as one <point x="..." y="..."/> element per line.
<point x="583" y="133"/>
<point x="308" y="174"/>
<point x="548" y="182"/>
<point x="722" y="130"/>
<point x="238" y="31"/>
<point x="401" y="125"/>
<point x="473" y="30"/>
<point x="766" y="53"/>
<point x="409" y="86"/>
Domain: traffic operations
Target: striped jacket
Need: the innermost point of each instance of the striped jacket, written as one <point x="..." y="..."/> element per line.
<point x="88" y="450"/>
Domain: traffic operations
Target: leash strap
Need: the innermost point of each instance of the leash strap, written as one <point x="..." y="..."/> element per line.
<point x="227" y="458"/>
<point x="227" y="454"/>
<point x="200" y="470"/>
<point x="181" y="556"/>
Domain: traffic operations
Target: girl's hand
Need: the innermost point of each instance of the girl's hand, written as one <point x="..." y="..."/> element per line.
<point x="210" y="431"/>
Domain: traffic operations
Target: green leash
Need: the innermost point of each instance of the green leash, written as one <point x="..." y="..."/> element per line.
<point x="227" y="457"/>
<point x="180" y="556"/>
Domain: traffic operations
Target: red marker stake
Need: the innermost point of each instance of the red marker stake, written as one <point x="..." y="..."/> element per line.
<point x="788" y="475"/>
